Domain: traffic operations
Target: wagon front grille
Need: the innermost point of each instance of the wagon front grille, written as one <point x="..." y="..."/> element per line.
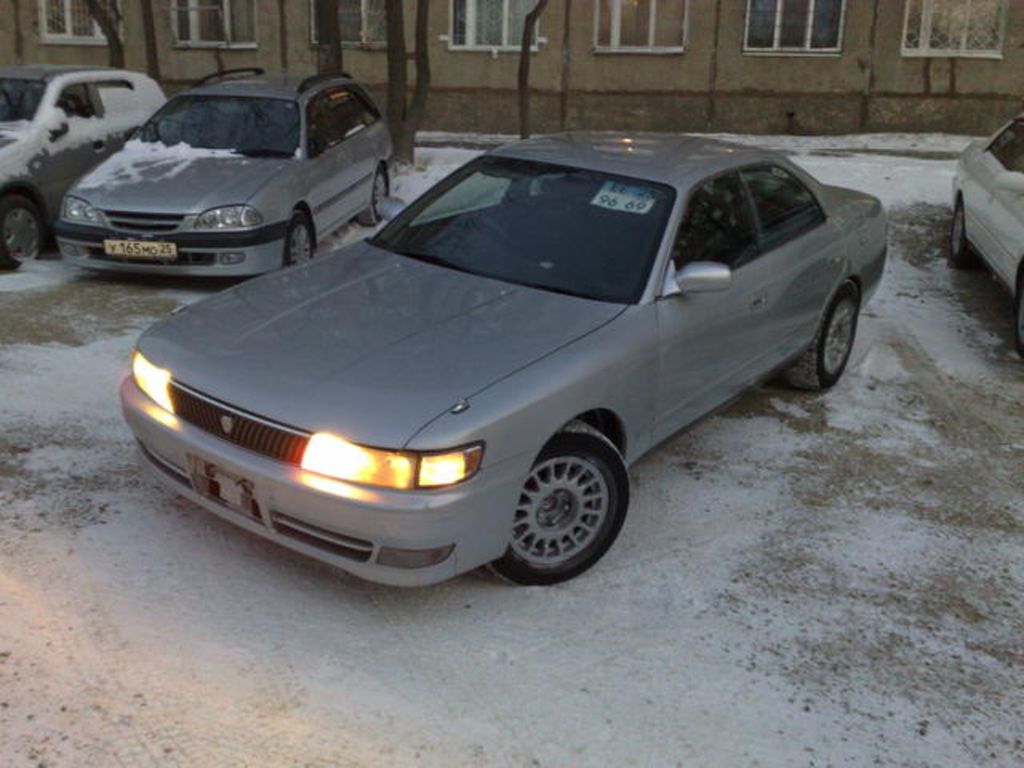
<point x="132" y="221"/>
<point x="246" y="430"/>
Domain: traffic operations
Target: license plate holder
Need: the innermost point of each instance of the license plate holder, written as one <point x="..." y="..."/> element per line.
<point x="226" y="488"/>
<point x="141" y="250"/>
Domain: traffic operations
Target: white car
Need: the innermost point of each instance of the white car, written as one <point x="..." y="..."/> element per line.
<point x="988" y="215"/>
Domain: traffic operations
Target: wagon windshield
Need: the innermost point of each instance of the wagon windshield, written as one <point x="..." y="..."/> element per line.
<point x="253" y="126"/>
<point x="552" y="227"/>
<point x="19" y="99"/>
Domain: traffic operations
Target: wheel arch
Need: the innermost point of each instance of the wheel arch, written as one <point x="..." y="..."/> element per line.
<point x="29" y="190"/>
<point x="603" y="421"/>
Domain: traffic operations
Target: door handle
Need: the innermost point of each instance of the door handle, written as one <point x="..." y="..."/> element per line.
<point x="760" y="302"/>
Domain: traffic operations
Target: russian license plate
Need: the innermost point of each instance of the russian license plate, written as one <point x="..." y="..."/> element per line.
<point x="140" y="249"/>
<point x="227" y="488"/>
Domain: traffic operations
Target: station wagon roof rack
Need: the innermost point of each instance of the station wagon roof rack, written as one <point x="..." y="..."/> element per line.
<point x="226" y="73"/>
<point x="313" y="80"/>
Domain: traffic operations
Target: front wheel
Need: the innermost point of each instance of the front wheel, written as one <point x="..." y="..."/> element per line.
<point x="961" y="255"/>
<point x="823" y="363"/>
<point x="21" y="231"/>
<point x="570" y="511"/>
<point x="371" y="216"/>
<point x="299" y="241"/>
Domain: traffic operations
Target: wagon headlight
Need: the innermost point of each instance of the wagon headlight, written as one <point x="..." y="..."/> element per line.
<point x="77" y="209"/>
<point x="333" y="456"/>
<point x="155" y="382"/>
<point x="229" y="217"/>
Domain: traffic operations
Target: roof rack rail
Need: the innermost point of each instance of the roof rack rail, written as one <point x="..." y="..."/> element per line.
<point x="313" y="80"/>
<point x="225" y="73"/>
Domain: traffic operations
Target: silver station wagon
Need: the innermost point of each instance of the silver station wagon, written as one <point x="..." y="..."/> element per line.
<point x="237" y="176"/>
<point x="470" y="386"/>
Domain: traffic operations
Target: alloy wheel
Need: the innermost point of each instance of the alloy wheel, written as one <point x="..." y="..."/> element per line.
<point x="300" y="246"/>
<point x="839" y="335"/>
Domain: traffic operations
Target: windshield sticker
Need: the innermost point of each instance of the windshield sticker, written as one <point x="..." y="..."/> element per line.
<point x="622" y="197"/>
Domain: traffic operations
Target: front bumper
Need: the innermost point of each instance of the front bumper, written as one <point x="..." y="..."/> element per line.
<point x="348" y="526"/>
<point x="210" y="254"/>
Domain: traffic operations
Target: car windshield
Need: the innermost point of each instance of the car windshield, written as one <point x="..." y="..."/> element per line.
<point x="19" y="99"/>
<point x="250" y="126"/>
<point x="546" y="226"/>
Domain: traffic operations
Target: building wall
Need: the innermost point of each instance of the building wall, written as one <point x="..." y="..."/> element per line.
<point x="713" y="85"/>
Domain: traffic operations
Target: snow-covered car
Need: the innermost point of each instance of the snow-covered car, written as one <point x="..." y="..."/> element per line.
<point x="239" y="175"/>
<point x="988" y="212"/>
<point x="470" y="386"/>
<point x="57" y="123"/>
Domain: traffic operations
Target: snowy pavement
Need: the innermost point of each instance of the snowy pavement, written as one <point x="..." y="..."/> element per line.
<point x="803" y="580"/>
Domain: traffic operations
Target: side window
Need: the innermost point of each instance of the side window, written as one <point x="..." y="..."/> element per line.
<point x="1008" y="148"/>
<point x="116" y="97"/>
<point x="785" y="207"/>
<point x="74" y="100"/>
<point x="717" y="225"/>
<point x="334" y="116"/>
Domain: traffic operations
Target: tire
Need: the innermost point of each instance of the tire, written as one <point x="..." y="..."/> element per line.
<point x="21" y="231"/>
<point x="822" y="365"/>
<point x="961" y="254"/>
<point x="578" y="475"/>
<point x="1018" y="306"/>
<point x="299" y="240"/>
<point x="381" y="186"/>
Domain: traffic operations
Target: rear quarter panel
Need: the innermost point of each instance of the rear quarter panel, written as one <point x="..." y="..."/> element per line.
<point x="863" y="225"/>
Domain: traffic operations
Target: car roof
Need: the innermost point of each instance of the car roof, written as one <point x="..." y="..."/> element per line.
<point x="267" y="86"/>
<point x="668" y="158"/>
<point x="49" y="71"/>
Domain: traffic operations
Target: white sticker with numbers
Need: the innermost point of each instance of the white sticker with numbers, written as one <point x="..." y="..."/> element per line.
<point x="623" y="197"/>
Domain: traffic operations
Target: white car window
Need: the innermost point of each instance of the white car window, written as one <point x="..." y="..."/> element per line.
<point x="1008" y="148"/>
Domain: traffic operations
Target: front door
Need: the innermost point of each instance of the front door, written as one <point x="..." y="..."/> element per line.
<point x="1005" y="209"/>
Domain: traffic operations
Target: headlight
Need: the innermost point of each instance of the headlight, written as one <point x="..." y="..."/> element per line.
<point x="333" y="456"/>
<point x="229" y="217"/>
<point x="76" y="209"/>
<point x="155" y="382"/>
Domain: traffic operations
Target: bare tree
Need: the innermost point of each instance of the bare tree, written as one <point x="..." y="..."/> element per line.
<point x="405" y="114"/>
<point x="107" y="16"/>
<point x="329" y="58"/>
<point x="149" y="35"/>
<point x="529" y="32"/>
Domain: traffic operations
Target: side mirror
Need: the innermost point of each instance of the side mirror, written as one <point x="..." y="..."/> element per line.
<point x="390" y="207"/>
<point x="1010" y="181"/>
<point x="59" y="132"/>
<point x="698" y="277"/>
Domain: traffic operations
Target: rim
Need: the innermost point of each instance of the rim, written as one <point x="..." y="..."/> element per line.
<point x="380" y="191"/>
<point x="1020" y="316"/>
<point x="839" y="337"/>
<point x="957" y="235"/>
<point x="299" y="245"/>
<point x="21" y="234"/>
<point x="562" y="506"/>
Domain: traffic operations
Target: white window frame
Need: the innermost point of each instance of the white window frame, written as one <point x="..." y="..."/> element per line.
<point x="926" y="51"/>
<point x="803" y="50"/>
<point x="361" y="43"/>
<point x="615" y="24"/>
<point x="194" y="7"/>
<point x="471" y="6"/>
<point x="97" y="38"/>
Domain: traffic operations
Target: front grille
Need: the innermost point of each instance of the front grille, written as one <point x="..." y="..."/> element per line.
<point x="245" y="430"/>
<point x="132" y="221"/>
<point x="321" y="538"/>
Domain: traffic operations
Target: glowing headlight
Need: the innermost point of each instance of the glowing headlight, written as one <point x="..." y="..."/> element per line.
<point x="333" y="456"/>
<point x="155" y="382"/>
<point x="76" y="209"/>
<point x="229" y="217"/>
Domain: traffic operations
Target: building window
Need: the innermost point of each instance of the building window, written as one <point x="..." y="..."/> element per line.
<point x="214" y="23"/>
<point x="69" y="21"/>
<point x="361" y="22"/>
<point x="648" y="26"/>
<point x="489" y="24"/>
<point x="954" y="28"/>
<point x="794" y="26"/>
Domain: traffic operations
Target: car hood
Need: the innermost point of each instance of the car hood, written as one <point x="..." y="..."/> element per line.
<point x="153" y="178"/>
<point x="364" y="343"/>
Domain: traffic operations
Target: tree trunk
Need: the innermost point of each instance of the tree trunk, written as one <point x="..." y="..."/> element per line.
<point x="149" y="36"/>
<point x="404" y="116"/>
<point x="329" y="58"/>
<point x="109" y="20"/>
<point x="529" y="29"/>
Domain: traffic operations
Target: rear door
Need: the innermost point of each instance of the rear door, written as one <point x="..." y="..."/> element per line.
<point x="331" y="174"/>
<point x="1004" y="210"/>
<point x="801" y="262"/>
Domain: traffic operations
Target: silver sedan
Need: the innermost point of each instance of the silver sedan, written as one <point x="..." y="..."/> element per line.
<point x="470" y="386"/>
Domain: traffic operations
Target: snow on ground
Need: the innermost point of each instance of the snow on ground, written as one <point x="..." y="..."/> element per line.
<point x="803" y="580"/>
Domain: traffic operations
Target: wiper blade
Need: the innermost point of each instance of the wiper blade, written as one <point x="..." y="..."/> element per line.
<point x="264" y="152"/>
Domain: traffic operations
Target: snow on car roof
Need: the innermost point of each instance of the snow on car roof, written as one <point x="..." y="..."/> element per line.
<point x="668" y="158"/>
